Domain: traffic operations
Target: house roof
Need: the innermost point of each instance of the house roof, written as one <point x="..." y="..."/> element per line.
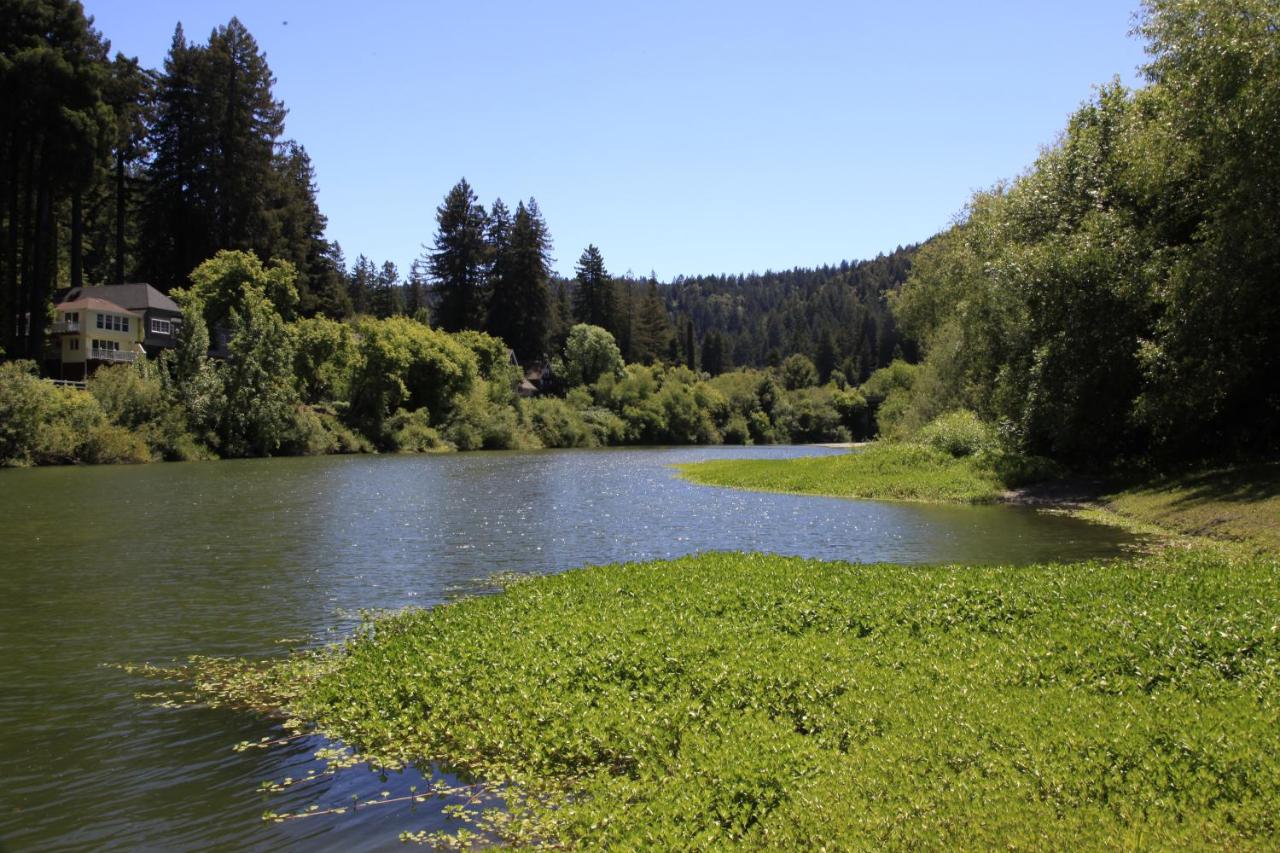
<point x="135" y="297"/>
<point x="93" y="303"/>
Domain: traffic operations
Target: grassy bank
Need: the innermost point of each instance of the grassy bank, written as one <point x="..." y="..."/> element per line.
<point x="879" y="472"/>
<point x="769" y="701"/>
<point x="1240" y="504"/>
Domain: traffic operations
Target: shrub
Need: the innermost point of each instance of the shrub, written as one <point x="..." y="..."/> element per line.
<point x="960" y="433"/>
<point x="131" y="395"/>
<point x="21" y="407"/>
<point x="411" y="432"/>
<point x="107" y="443"/>
<point x="479" y="422"/>
<point x="557" y="424"/>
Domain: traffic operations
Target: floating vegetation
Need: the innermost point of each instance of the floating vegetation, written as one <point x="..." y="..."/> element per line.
<point x="754" y="700"/>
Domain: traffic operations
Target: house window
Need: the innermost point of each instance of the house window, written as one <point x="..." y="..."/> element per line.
<point x="71" y="316"/>
<point x="111" y="346"/>
<point x="124" y="323"/>
<point x="102" y="321"/>
<point x="161" y="327"/>
<point x="75" y="344"/>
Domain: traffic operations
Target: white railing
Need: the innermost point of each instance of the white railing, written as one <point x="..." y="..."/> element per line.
<point x="112" y="355"/>
<point x="70" y="383"/>
<point x="65" y="327"/>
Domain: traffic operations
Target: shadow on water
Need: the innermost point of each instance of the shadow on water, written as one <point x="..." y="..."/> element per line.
<point x="250" y="558"/>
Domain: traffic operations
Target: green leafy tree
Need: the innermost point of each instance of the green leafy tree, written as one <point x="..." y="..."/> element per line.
<point x="589" y="353"/>
<point x="260" y="397"/>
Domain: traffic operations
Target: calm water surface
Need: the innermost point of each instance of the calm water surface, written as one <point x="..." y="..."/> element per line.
<point x="126" y="564"/>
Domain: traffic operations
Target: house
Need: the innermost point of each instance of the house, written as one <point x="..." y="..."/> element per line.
<point x="161" y="316"/>
<point x="91" y="332"/>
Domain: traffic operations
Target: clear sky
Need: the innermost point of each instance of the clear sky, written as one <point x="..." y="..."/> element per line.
<point x="683" y="137"/>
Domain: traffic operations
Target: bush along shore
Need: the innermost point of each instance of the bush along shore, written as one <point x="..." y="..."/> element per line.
<point x="767" y="701"/>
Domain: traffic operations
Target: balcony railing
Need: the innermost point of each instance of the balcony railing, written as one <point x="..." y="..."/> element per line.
<point x="112" y="355"/>
<point x="65" y="327"/>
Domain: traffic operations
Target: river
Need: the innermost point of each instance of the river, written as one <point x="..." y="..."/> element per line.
<point x="114" y="564"/>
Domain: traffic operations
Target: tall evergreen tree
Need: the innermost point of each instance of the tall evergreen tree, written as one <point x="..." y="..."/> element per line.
<point x="387" y="299"/>
<point x="52" y="121"/>
<point x="415" y="292"/>
<point x="520" y="306"/>
<point x="215" y="162"/>
<point x="594" y="299"/>
<point x="360" y="285"/>
<point x="651" y="336"/>
<point x="459" y="260"/>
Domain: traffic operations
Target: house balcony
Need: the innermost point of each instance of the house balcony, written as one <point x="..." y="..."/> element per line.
<point x="112" y="355"/>
<point x="65" y="327"/>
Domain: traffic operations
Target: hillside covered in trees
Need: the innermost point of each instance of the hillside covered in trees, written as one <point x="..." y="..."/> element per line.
<point x="114" y="172"/>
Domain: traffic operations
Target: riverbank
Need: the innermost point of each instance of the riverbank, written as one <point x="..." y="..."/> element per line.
<point x="763" y="700"/>
<point x="1238" y="504"/>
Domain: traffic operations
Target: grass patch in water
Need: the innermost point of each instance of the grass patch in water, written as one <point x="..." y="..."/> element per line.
<point x="753" y="700"/>
<point x="882" y="471"/>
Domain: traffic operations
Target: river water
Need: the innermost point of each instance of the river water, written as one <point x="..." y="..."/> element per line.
<point x="115" y="564"/>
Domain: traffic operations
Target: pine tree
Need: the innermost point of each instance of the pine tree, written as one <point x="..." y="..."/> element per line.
<point x="360" y="285"/>
<point x="214" y="176"/>
<point x="460" y="258"/>
<point x="594" y="299"/>
<point x="714" y="359"/>
<point x="415" y="292"/>
<point x="386" y="298"/>
<point x="651" y="336"/>
<point x="520" y="307"/>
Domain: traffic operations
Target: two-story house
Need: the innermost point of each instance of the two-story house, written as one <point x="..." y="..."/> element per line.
<point x="92" y="332"/>
<point x="161" y="316"/>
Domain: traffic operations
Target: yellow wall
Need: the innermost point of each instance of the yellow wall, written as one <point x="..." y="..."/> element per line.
<point x="89" y="332"/>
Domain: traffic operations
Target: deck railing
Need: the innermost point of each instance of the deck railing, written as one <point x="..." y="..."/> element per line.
<point x="65" y="327"/>
<point x="112" y="355"/>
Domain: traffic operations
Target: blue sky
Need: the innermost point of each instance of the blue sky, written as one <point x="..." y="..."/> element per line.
<point x="683" y="137"/>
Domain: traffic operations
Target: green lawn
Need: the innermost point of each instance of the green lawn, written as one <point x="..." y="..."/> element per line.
<point x="906" y="472"/>
<point x="761" y="701"/>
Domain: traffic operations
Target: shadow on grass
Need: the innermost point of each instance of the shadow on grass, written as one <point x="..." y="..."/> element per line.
<point x="1243" y="484"/>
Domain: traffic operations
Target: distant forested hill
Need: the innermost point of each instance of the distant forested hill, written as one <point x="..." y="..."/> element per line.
<point x="837" y="315"/>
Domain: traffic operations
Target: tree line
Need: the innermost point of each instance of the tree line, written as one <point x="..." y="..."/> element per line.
<point x="112" y="172"/>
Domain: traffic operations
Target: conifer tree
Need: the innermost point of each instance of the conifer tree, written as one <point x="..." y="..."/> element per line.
<point x="520" y="306"/>
<point x="459" y="260"/>
<point x="594" y="299"/>
<point x="651" y="336"/>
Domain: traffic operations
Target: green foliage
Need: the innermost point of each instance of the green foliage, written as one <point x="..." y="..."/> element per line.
<point x="798" y="372"/>
<point x="484" y="420"/>
<point x="556" y="423"/>
<point x="882" y="471"/>
<point x="325" y="356"/>
<point x="406" y="365"/>
<point x="220" y="285"/>
<point x="318" y="430"/>
<point x="22" y="403"/>
<point x="959" y="433"/>
<point x="589" y="353"/>
<point x="1118" y="299"/>
<point x="260" y="393"/>
<point x="761" y="701"/>
<point x="411" y="432"/>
